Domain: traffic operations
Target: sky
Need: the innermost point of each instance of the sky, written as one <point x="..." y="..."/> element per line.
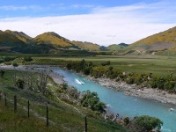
<point x="99" y="21"/>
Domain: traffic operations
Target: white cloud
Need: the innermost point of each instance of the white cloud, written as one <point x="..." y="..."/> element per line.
<point x="103" y="25"/>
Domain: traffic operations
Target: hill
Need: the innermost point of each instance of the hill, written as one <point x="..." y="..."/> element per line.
<point x="46" y="43"/>
<point x="10" y="40"/>
<point x="116" y="47"/>
<point x="51" y="38"/>
<point x="158" y="42"/>
<point x="20" y="35"/>
<point x="53" y="44"/>
<point x="86" y="45"/>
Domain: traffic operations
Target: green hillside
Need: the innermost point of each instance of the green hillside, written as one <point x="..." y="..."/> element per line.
<point x="116" y="47"/>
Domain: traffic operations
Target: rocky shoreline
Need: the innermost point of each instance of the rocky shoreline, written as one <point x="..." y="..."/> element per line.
<point x="134" y="90"/>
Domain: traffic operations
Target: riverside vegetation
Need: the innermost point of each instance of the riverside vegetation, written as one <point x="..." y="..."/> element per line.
<point x="65" y="111"/>
<point x="138" y="64"/>
<point x="27" y="83"/>
<point x="105" y="69"/>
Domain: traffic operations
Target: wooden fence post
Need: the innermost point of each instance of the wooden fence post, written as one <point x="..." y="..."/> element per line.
<point x="28" y="108"/>
<point x="47" y="120"/>
<point x="15" y="103"/>
<point x="85" y="125"/>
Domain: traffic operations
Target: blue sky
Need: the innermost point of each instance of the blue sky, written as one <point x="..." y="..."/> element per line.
<point x="101" y="21"/>
<point x="35" y="8"/>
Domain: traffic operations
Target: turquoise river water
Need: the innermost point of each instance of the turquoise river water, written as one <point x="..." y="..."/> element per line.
<point x="120" y="103"/>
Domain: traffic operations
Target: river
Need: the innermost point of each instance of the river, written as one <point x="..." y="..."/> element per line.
<point x="120" y="103"/>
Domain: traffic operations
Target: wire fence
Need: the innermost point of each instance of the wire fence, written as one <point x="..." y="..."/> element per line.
<point x="39" y="110"/>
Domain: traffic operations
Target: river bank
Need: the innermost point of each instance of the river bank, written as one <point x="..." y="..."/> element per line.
<point x="36" y="68"/>
<point x="130" y="90"/>
<point x="134" y="90"/>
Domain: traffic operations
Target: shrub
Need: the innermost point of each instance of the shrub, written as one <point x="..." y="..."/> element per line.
<point x="20" y="83"/>
<point x="106" y="63"/>
<point x="2" y="72"/>
<point x="64" y="86"/>
<point x="15" y="65"/>
<point x="146" y="123"/>
<point x="28" y="58"/>
<point x="126" y="120"/>
<point x="92" y="101"/>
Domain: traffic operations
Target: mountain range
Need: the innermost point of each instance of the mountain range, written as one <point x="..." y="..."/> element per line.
<point x="49" y="42"/>
<point x="53" y="43"/>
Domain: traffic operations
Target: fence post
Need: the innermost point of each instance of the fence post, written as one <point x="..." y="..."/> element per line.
<point x="47" y="120"/>
<point x="28" y="108"/>
<point x="85" y="125"/>
<point x="5" y="100"/>
<point x="15" y="103"/>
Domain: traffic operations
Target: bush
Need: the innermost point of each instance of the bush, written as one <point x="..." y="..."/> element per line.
<point x="64" y="86"/>
<point x="28" y="58"/>
<point x="87" y="70"/>
<point x="106" y="63"/>
<point x="15" y="65"/>
<point x="2" y="72"/>
<point x="73" y="92"/>
<point x="20" y="83"/>
<point x="92" y="101"/>
<point x="146" y="124"/>
<point x="126" y="120"/>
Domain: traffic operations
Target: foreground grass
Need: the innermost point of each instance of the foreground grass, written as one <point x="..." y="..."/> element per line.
<point x="63" y="117"/>
<point x="18" y="122"/>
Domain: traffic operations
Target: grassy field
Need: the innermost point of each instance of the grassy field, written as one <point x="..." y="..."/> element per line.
<point x="63" y="116"/>
<point x="158" y="65"/>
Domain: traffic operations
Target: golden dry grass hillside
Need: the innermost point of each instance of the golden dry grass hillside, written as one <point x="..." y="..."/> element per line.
<point x="160" y="41"/>
<point x="11" y="38"/>
<point x="53" y="39"/>
<point x="87" y="45"/>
